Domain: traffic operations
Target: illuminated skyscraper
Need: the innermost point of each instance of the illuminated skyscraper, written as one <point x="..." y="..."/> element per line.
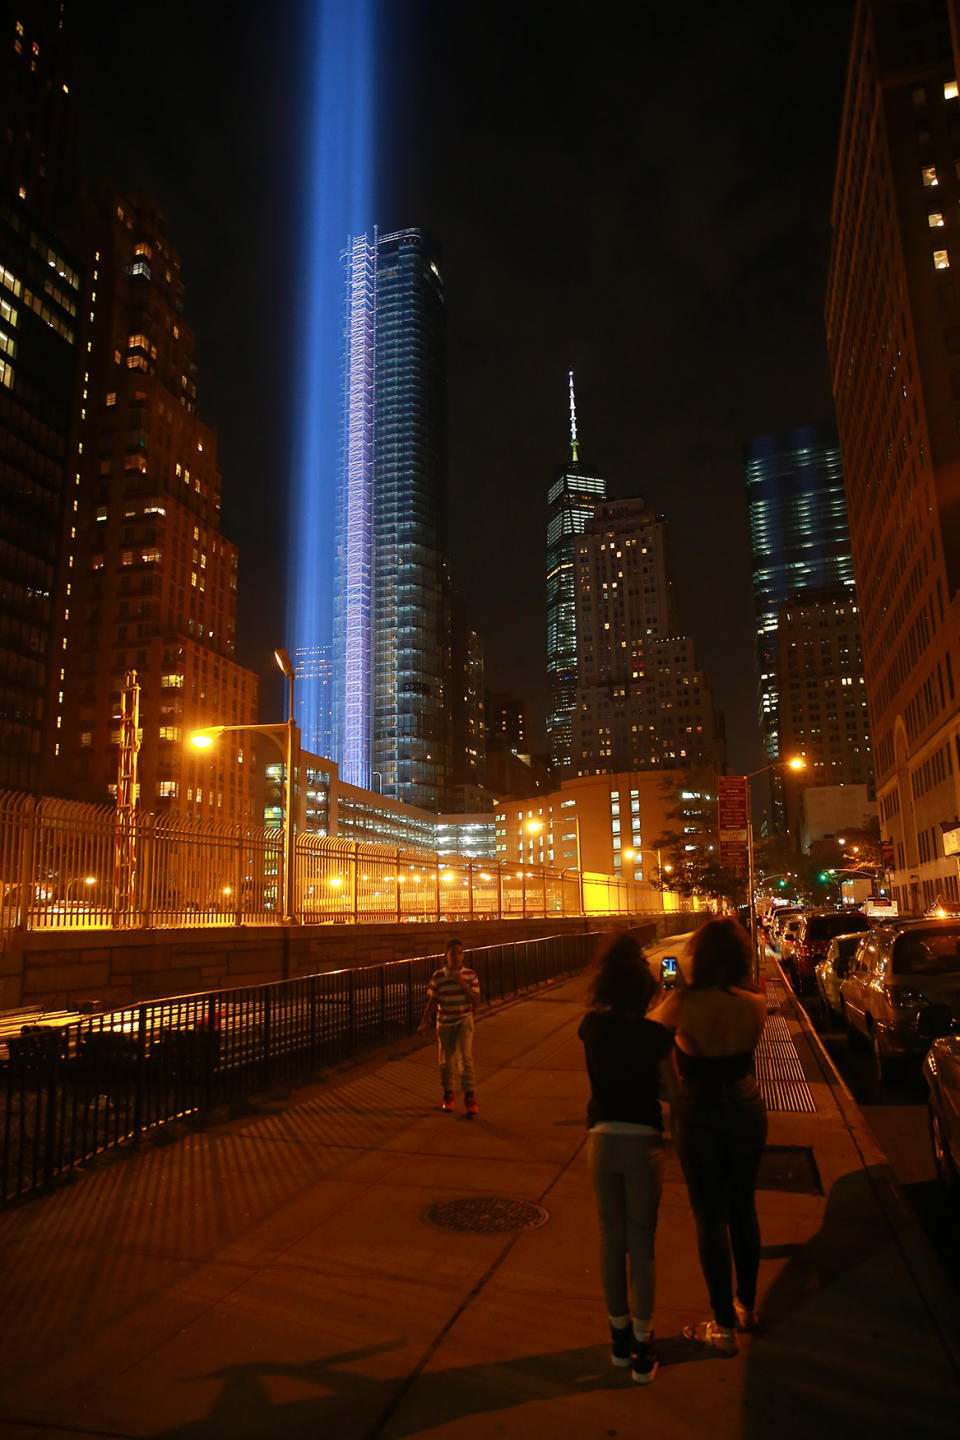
<point x="44" y="304"/>
<point x="893" y="339"/>
<point x="799" y="539"/>
<point x="641" y="701"/>
<point x="571" y="501"/>
<point x="391" y="631"/>
<point x="154" y="586"/>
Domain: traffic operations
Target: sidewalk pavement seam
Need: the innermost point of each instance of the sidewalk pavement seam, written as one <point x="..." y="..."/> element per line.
<point x="395" y="1402"/>
<point x="920" y="1260"/>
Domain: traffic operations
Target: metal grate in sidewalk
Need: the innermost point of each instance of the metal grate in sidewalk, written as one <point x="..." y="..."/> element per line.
<point x="779" y="1073"/>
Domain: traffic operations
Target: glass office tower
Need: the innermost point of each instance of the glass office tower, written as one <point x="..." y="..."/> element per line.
<point x="571" y="501"/>
<point x="799" y="539"/>
<point x="391" y="648"/>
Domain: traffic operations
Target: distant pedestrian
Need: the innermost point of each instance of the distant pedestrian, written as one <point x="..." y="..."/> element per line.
<point x="719" y="1121"/>
<point x="625" y="1144"/>
<point x="452" y="996"/>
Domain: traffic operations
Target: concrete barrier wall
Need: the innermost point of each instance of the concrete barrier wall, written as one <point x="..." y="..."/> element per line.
<point x="49" y="970"/>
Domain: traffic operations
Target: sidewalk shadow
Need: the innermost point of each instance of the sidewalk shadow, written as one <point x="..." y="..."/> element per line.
<point x="845" y="1338"/>
<point x="404" y="1406"/>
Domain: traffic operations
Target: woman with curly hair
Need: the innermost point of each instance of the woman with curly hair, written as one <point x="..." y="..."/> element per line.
<point x="625" y="1143"/>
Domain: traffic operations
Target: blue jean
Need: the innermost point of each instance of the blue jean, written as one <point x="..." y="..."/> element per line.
<point x="627" y="1175"/>
<point x="455" y="1051"/>
<point x="720" y="1133"/>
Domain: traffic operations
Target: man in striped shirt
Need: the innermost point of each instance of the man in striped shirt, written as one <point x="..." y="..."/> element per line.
<point x="452" y="996"/>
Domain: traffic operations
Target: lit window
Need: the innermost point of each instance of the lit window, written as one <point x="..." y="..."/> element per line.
<point x="935" y="220"/>
<point x="950" y="91"/>
<point x="941" y="259"/>
<point x="112" y="398"/>
<point x="143" y="249"/>
<point x="6" y="374"/>
<point x="929" y="174"/>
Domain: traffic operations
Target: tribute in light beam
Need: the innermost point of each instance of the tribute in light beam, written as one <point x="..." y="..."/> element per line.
<point x="338" y="190"/>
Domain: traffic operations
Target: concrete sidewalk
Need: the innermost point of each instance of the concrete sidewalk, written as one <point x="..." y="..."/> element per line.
<point x="278" y="1276"/>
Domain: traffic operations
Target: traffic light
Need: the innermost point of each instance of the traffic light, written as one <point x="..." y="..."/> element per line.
<point x="824" y="876"/>
<point x="781" y="883"/>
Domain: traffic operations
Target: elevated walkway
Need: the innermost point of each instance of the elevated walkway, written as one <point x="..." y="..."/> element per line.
<point x="340" y="1263"/>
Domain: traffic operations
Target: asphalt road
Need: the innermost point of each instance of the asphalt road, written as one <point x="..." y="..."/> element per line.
<point x="896" y="1111"/>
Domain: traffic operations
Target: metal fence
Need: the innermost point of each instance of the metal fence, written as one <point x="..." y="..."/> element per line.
<point x="70" y="1091"/>
<point x="59" y="861"/>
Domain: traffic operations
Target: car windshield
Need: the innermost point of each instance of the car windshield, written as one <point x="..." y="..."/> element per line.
<point x="823" y="927"/>
<point x="928" y="952"/>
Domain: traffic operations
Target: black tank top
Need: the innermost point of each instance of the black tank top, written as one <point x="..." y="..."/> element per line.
<point x="716" y="1069"/>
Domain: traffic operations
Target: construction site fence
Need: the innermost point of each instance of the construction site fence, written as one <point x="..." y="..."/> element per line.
<point x="69" y="865"/>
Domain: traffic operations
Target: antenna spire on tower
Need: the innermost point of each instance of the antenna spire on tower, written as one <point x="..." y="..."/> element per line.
<point x="574" y="446"/>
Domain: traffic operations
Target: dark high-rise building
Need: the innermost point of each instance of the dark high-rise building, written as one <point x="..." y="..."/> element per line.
<point x="823" y="698"/>
<point x="391" y="640"/>
<point x="641" y="701"/>
<point x="37" y="119"/>
<point x="154" y="584"/>
<point x="798" y="537"/>
<point x="43" y="309"/>
<point x="893" y="337"/>
<point x="468" y="739"/>
<point x="571" y="501"/>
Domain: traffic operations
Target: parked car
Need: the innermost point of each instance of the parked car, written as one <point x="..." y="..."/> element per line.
<point x="943" y="910"/>
<point x="832" y="969"/>
<point x="816" y="932"/>
<point x="780" y="916"/>
<point x="897" y="973"/>
<point x="788" y="940"/>
<point x="941" y="1070"/>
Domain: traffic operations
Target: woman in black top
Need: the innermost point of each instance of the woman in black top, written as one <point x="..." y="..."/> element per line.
<point x="719" y="1121"/>
<point x="624" y="1145"/>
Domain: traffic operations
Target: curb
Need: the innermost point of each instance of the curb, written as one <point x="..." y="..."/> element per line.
<point x="937" y="1294"/>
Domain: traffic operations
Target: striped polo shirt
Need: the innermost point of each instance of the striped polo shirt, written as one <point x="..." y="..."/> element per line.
<point x="451" y="1001"/>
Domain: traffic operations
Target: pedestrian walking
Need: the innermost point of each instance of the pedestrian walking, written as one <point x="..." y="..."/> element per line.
<point x="453" y="994"/>
<point x="719" y="1121"/>
<point x="624" y="1052"/>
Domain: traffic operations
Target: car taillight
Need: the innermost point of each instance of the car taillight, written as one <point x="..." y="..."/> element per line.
<point x="901" y="998"/>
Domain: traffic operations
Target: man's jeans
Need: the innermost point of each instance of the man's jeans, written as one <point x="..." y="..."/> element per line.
<point x="627" y="1175"/>
<point x="455" y="1048"/>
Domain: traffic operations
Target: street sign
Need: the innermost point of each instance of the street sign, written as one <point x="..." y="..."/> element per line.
<point x="733" y="805"/>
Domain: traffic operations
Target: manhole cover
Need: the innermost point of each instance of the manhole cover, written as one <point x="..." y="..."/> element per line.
<point x="487" y="1215"/>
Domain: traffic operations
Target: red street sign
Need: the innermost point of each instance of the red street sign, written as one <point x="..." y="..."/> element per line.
<point x="733" y="804"/>
<point x="734" y="799"/>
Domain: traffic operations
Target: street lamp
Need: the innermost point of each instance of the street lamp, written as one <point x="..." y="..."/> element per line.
<point x="287" y="737"/>
<point x="795" y="763"/>
<point x="632" y="850"/>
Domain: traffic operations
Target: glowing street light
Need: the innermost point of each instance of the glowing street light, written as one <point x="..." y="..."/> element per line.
<point x="287" y="737"/>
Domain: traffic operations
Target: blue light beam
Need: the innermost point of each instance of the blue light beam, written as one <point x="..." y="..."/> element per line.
<point x="338" y="189"/>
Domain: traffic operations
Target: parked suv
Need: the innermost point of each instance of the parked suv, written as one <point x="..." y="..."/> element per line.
<point x="814" y="938"/>
<point x="897" y="973"/>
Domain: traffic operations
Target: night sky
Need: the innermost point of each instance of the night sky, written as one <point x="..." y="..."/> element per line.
<point x="639" y="192"/>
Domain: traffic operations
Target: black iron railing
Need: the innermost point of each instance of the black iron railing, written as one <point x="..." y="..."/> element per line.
<point x="72" y="1090"/>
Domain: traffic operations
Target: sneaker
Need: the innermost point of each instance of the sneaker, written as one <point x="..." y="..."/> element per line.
<point x="645" y="1360"/>
<point x="622" y="1345"/>
<point x="718" y="1337"/>
<point x="747" y="1318"/>
<point x="472" y="1107"/>
<point x="449" y="1104"/>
